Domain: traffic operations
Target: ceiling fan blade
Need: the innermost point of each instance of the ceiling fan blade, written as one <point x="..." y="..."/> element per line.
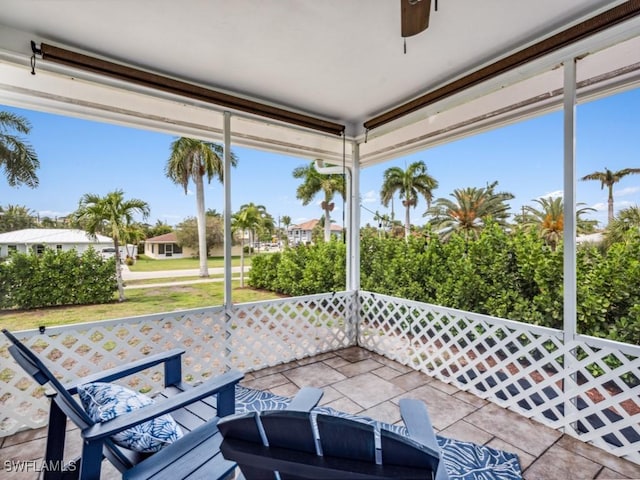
<point x="414" y="15"/>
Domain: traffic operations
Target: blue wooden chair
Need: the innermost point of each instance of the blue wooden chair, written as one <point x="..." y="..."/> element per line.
<point x="287" y="445"/>
<point x="196" y="409"/>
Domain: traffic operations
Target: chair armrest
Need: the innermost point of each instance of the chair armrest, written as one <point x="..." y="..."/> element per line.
<point x="416" y="418"/>
<point x="306" y="399"/>
<point x="205" y="389"/>
<point x="126" y="370"/>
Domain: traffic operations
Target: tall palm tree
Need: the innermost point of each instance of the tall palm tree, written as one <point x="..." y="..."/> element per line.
<point x="248" y="218"/>
<point x="111" y="215"/>
<point x="470" y="210"/>
<point x="609" y="178"/>
<point x="409" y="184"/>
<point x="17" y="158"/>
<point x="191" y="160"/>
<point x="314" y="183"/>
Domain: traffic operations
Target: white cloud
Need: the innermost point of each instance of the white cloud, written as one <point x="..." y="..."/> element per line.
<point x="554" y="194"/>
<point x="52" y="214"/>
<point x="600" y="207"/>
<point x="626" y="191"/>
<point x="190" y="192"/>
<point x="370" y="197"/>
<point x="620" y="204"/>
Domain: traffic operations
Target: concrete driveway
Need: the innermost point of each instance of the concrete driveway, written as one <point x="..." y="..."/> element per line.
<point x="191" y="272"/>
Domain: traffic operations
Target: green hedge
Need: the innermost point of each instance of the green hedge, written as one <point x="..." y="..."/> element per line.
<point x="56" y="278"/>
<point x="303" y="270"/>
<point x="508" y="275"/>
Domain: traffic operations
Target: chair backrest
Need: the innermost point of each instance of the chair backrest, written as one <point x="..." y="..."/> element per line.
<point x="31" y="364"/>
<point x="287" y="442"/>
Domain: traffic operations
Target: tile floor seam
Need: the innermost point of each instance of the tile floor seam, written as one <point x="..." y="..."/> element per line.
<point x="602" y="467"/>
<point x="538" y="457"/>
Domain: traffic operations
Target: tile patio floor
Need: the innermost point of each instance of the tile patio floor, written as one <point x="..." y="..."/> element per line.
<point x="357" y="381"/>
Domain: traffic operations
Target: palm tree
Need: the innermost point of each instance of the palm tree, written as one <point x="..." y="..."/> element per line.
<point x="192" y="159"/>
<point x="18" y="159"/>
<point x="286" y="222"/>
<point x="409" y="184"/>
<point x="16" y="217"/>
<point x="608" y="178"/>
<point x="249" y="217"/>
<point x="470" y="210"/>
<point x="314" y="183"/>
<point x="549" y="219"/>
<point x="626" y="220"/>
<point x="111" y="215"/>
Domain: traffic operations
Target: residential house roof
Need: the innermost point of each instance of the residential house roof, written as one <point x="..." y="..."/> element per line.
<point x="170" y="237"/>
<point x="51" y="235"/>
<point x="310" y="225"/>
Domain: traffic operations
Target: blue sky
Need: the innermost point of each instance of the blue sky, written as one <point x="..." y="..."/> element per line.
<point x="78" y="156"/>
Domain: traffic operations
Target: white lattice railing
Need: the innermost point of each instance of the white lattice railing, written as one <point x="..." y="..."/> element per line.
<point x="588" y="387"/>
<point x="247" y="336"/>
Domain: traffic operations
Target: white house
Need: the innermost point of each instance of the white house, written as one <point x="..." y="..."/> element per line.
<point x="301" y="234"/>
<point x="37" y="239"/>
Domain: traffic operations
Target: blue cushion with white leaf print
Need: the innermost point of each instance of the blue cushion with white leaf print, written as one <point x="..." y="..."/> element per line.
<point x="105" y="401"/>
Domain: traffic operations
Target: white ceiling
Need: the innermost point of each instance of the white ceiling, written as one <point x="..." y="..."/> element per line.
<point x="341" y="60"/>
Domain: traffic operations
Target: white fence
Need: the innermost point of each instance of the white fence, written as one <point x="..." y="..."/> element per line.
<point x="247" y="337"/>
<point x="587" y="387"/>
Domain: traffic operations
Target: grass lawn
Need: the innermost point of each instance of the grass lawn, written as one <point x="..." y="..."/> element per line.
<point x="146" y="264"/>
<point x="139" y="302"/>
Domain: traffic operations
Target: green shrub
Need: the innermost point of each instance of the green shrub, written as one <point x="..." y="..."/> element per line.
<point x="303" y="270"/>
<point x="56" y="278"/>
<point x="509" y="275"/>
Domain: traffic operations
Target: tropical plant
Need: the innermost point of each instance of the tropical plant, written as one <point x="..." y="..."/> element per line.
<point x="159" y="228"/>
<point x="609" y="178"/>
<point x="409" y="184"/>
<point x="314" y="183"/>
<point x="548" y="219"/>
<point x="17" y="157"/>
<point x="627" y="219"/>
<point x="248" y="218"/>
<point x="470" y="210"/>
<point x="191" y="160"/>
<point x="286" y="222"/>
<point x="111" y="215"/>
<point x="16" y="217"/>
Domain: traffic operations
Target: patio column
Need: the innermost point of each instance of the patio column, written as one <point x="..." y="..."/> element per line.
<point x="354" y="226"/>
<point x="569" y="255"/>
<point x="569" y="269"/>
<point x="228" y="237"/>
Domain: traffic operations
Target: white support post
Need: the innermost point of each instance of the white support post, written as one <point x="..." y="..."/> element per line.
<point x="570" y="288"/>
<point x="348" y="219"/>
<point x="569" y="264"/>
<point x="228" y="237"/>
<point x="354" y="225"/>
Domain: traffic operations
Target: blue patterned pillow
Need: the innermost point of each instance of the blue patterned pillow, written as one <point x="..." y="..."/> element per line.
<point x="105" y="401"/>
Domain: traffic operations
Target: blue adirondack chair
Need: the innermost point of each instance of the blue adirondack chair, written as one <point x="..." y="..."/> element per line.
<point x="287" y="445"/>
<point x="196" y="409"/>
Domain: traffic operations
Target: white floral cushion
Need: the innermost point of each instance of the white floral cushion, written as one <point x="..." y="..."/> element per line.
<point x="105" y="401"/>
